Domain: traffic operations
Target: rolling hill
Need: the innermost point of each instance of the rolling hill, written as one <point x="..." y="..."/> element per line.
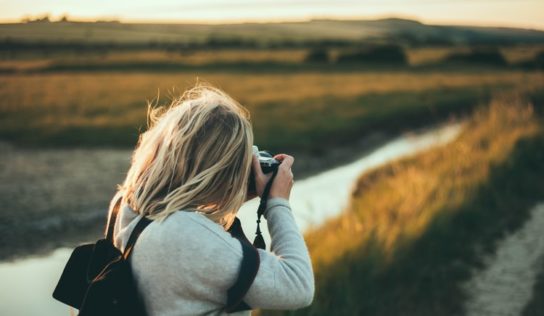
<point x="257" y="34"/>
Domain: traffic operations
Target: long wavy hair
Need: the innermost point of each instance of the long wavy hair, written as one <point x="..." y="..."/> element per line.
<point x="195" y="156"/>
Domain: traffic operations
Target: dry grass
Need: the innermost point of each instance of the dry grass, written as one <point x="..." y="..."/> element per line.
<point x="28" y="62"/>
<point x="419" y="187"/>
<point x="429" y="55"/>
<point x="408" y="235"/>
<point x="109" y="107"/>
<point x="83" y="96"/>
<point x="521" y="53"/>
<point x="203" y="57"/>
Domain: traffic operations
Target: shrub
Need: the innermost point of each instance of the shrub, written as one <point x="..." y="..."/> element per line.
<point x="536" y="63"/>
<point x="318" y="55"/>
<point x="383" y="54"/>
<point x="484" y="56"/>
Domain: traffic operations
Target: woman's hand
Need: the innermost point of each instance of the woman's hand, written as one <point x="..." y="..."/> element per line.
<point x="281" y="187"/>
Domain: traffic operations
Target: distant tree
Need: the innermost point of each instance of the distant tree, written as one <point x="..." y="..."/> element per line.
<point x="536" y="63"/>
<point x="43" y="19"/>
<point x="539" y="60"/>
<point x="318" y="55"/>
<point x="222" y="41"/>
<point x="480" y="55"/>
<point x="378" y="54"/>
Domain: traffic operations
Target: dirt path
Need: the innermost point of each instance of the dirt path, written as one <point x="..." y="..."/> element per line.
<point x="505" y="285"/>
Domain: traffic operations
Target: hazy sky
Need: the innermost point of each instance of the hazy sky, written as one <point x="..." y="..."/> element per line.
<point x="518" y="13"/>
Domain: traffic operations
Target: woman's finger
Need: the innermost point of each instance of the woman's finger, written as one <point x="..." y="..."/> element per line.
<point x="287" y="161"/>
<point x="284" y="180"/>
<point x="281" y="157"/>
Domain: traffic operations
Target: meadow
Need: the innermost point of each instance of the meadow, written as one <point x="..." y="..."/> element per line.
<point x="88" y="98"/>
<point x="300" y="110"/>
<point x="416" y="229"/>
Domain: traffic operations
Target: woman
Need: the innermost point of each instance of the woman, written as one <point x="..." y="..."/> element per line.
<point x="190" y="173"/>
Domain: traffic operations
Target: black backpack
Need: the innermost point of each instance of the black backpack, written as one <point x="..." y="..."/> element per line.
<point x="98" y="278"/>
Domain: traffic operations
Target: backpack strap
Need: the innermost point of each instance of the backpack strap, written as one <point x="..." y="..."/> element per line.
<point x="140" y="226"/>
<point x="248" y="271"/>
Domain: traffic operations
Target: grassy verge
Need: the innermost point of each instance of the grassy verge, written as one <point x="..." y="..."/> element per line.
<point x="416" y="228"/>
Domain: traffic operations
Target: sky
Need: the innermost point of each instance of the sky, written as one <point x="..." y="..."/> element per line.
<point x="510" y="13"/>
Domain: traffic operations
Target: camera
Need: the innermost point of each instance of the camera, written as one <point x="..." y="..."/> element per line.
<point x="267" y="162"/>
<point x="268" y="165"/>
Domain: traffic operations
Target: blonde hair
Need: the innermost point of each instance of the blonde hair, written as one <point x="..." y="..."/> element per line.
<point x="195" y="156"/>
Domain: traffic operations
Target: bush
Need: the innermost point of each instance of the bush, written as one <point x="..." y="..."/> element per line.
<point x="536" y="63"/>
<point x="317" y="56"/>
<point x="483" y="56"/>
<point x="386" y="54"/>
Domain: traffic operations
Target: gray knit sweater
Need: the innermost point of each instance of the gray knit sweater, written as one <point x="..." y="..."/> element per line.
<point x="184" y="265"/>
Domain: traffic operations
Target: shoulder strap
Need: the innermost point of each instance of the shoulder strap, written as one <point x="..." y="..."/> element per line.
<point x="140" y="226"/>
<point x="236" y="230"/>
<point x="248" y="271"/>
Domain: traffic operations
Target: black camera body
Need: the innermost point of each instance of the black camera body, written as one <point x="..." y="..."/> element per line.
<point x="268" y="165"/>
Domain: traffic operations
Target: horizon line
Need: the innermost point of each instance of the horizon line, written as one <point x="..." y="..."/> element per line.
<point x="270" y="21"/>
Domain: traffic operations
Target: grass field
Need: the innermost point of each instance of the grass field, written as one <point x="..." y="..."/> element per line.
<point x="416" y="228"/>
<point x="298" y="110"/>
<point x="165" y="60"/>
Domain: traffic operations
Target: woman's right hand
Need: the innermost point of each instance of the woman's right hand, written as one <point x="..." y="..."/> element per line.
<point x="283" y="182"/>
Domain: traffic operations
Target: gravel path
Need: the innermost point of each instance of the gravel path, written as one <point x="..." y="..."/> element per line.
<point x="505" y="285"/>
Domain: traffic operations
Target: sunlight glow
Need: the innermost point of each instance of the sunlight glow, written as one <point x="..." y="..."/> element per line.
<point x="523" y="13"/>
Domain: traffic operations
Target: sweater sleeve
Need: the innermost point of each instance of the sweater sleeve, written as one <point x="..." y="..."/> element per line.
<point x="186" y="264"/>
<point x="285" y="279"/>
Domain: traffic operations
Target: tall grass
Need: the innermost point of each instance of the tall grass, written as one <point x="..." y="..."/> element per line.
<point x="415" y="228"/>
<point x="93" y="109"/>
